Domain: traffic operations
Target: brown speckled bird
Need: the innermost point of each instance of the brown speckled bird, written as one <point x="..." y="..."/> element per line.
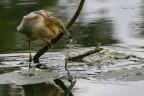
<point x="41" y="24"/>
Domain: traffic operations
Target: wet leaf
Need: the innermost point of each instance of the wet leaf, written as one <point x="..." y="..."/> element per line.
<point x="24" y="77"/>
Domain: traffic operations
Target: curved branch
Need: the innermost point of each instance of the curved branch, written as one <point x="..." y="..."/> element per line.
<point x="46" y="48"/>
<point x="77" y="13"/>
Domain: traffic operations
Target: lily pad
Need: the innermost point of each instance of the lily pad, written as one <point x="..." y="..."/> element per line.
<point x="24" y="77"/>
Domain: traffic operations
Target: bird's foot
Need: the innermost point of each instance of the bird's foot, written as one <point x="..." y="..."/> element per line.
<point x="49" y="45"/>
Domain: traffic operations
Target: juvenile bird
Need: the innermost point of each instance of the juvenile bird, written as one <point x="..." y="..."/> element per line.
<point x="41" y="24"/>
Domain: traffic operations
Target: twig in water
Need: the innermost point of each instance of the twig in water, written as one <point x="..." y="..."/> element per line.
<point x="81" y="56"/>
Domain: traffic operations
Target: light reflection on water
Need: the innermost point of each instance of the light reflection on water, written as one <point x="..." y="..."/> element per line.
<point x="89" y="88"/>
<point x="93" y="88"/>
<point x="127" y="15"/>
<point x="108" y="21"/>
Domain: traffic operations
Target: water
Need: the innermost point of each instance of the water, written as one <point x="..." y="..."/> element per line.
<point x="111" y="22"/>
<point x="108" y="88"/>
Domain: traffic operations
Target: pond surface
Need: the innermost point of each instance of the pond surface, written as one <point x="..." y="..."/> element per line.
<point x="117" y="24"/>
<point x="110" y="22"/>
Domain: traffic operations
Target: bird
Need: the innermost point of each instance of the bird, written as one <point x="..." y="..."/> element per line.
<point x="41" y="24"/>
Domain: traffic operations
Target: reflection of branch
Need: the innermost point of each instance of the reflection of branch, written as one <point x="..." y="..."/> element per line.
<point x="63" y="86"/>
<point x="45" y="48"/>
<point x="81" y="56"/>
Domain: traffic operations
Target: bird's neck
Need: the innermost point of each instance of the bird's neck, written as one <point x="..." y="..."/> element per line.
<point x="53" y="29"/>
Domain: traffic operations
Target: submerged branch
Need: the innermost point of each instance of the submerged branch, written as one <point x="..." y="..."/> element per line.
<point x="45" y="48"/>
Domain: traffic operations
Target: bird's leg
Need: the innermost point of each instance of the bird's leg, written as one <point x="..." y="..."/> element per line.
<point x="49" y="45"/>
<point x="30" y="56"/>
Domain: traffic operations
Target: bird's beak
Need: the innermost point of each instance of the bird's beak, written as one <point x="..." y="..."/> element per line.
<point x="71" y="38"/>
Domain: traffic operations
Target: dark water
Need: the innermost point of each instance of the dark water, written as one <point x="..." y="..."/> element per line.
<point x="111" y="22"/>
<point x="107" y="21"/>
